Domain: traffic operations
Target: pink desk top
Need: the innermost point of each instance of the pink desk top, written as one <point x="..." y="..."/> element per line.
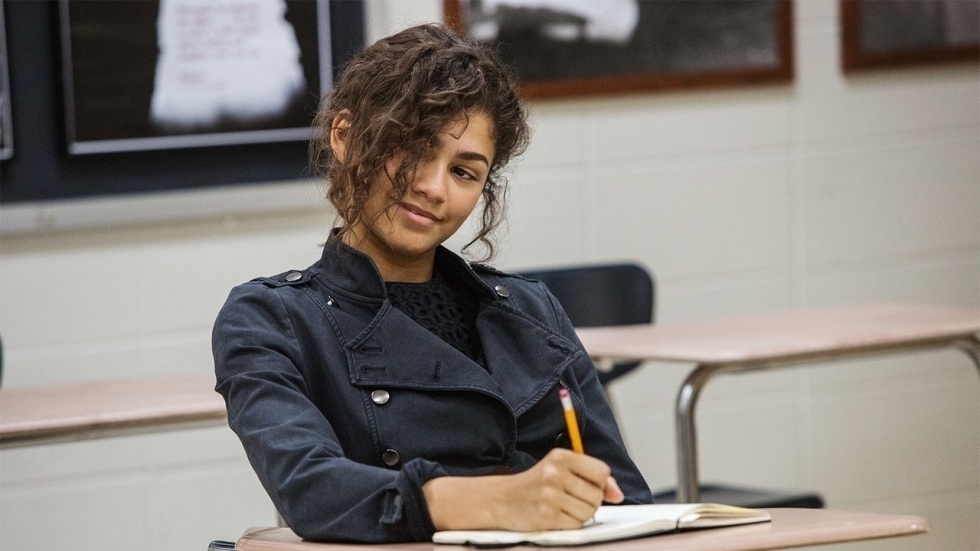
<point x="789" y="528"/>
<point x="784" y="335"/>
<point x="100" y="408"/>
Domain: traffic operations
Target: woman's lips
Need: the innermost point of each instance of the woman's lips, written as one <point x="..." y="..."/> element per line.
<point x="419" y="215"/>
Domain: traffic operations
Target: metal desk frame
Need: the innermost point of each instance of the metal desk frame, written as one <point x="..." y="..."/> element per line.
<point x="777" y="340"/>
<point x="685" y="426"/>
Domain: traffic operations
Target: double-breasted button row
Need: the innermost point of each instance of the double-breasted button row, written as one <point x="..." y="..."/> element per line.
<point x="389" y="457"/>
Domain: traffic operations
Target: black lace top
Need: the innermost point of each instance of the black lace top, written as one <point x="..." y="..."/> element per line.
<point x="446" y="309"/>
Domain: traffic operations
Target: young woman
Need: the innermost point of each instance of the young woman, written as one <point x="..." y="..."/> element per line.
<point x="392" y="389"/>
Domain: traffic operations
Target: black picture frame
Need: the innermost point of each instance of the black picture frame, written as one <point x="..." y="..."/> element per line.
<point x="111" y="52"/>
<point x="41" y="170"/>
<point x="674" y="44"/>
<point x="6" y="115"/>
<point x="877" y="34"/>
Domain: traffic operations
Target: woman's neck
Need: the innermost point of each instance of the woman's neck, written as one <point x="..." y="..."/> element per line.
<point x="400" y="272"/>
<point x="393" y="267"/>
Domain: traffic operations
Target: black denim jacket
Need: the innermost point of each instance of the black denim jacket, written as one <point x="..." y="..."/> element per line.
<point x="346" y="407"/>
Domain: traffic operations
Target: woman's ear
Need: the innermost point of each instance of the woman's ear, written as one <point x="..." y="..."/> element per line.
<point x="338" y="134"/>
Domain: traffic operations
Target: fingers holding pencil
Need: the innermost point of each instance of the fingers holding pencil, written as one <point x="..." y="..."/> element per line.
<point x="611" y="491"/>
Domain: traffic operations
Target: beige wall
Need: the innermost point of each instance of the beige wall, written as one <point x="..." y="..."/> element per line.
<point x="829" y="190"/>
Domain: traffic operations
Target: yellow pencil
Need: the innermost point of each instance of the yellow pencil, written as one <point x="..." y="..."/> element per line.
<point x="570" y="421"/>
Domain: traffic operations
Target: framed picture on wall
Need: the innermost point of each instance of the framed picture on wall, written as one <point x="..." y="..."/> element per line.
<point x="562" y="48"/>
<point x="82" y="103"/>
<point x="889" y="33"/>
<point x="6" y="114"/>
<point x="161" y="74"/>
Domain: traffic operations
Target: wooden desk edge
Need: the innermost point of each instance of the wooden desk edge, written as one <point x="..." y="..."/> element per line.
<point x="755" y="360"/>
<point x="87" y="430"/>
<point x="807" y="527"/>
<point x="92" y="409"/>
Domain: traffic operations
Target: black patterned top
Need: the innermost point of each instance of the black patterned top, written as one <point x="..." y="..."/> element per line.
<point x="447" y="310"/>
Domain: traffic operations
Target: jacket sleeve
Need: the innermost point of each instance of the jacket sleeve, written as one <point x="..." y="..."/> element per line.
<point x="293" y="449"/>
<point x="601" y="437"/>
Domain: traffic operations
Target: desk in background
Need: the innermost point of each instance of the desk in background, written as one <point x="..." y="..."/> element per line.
<point x="773" y="340"/>
<point x="789" y="528"/>
<point x="96" y="409"/>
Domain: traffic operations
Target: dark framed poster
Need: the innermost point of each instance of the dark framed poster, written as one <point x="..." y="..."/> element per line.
<point x="6" y="123"/>
<point x="891" y="33"/>
<point x="562" y="48"/>
<point x="84" y="73"/>
<point x="159" y="74"/>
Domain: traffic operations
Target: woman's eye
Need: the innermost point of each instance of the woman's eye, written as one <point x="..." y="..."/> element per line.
<point x="462" y="173"/>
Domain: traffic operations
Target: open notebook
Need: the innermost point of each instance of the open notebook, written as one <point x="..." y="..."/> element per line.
<point x="616" y="522"/>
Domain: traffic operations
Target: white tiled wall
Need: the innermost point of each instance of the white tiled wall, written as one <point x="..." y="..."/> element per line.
<point x="830" y="190"/>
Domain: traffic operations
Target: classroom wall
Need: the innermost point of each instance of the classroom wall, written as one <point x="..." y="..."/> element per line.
<point x="829" y="190"/>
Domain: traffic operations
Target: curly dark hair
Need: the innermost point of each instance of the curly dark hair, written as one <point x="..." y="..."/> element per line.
<point x="397" y="95"/>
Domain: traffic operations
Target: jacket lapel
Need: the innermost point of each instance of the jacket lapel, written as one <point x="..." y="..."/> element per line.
<point x="525" y="357"/>
<point x="394" y="351"/>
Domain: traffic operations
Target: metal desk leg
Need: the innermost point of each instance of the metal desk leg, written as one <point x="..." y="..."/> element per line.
<point x="971" y="347"/>
<point x="687" y="444"/>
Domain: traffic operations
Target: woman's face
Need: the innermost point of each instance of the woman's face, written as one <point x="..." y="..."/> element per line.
<point x="446" y="188"/>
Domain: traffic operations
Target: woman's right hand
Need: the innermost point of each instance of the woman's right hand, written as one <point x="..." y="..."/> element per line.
<point x="561" y="491"/>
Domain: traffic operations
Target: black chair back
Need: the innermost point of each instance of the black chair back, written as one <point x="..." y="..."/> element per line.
<point x="600" y="295"/>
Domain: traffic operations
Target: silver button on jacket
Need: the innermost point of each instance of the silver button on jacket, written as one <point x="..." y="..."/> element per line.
<point x="380" y="397"/>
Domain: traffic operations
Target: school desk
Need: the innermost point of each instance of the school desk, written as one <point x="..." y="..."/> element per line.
<point x="95" y="409"/>
<point x="777" y="339"/>
<point x="789" y="528"/>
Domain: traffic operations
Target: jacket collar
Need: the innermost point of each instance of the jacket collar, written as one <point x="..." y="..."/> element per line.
<point x="526" y="356"/>
<point x="355" y="272"/>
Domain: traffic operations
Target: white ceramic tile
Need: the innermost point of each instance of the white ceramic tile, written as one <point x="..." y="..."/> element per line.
<point x="660" y="126"/>
<point x="59" y="296"/>
<point x="650" y="440"/>
<point x="898" y="371"/>
<point x="80" y="517"/>
<point x="872" y="446"/>
<point x="952" y="280"/>
<point x="207" y="504"/>
<point x="874" y="204"/>
<point x="649" y="390"/>
<point x="548" y="222"/>
<point x="197" y="479"/>
<point x="50" y="465"/>
<point x="391" y="16"/>
<point x="177" y="354"/>
<point x="541" y="219"/>
<point x="74" y="362"/>
<point x="187" y="353"/>
<point x="185" y="282"/>
<point x="700" y="221"/>
<point x="752" y="386"/>
<point x="832" y="106"/>
<point x="810" y="12"/>
<point x="559" y="136"/>
<point x="687" y="300"/>
<point x="750" y="442"/>
<point x="207" y="448"/>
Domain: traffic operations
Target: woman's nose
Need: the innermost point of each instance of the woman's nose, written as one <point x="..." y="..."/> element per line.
<point x="431" y="181"/>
